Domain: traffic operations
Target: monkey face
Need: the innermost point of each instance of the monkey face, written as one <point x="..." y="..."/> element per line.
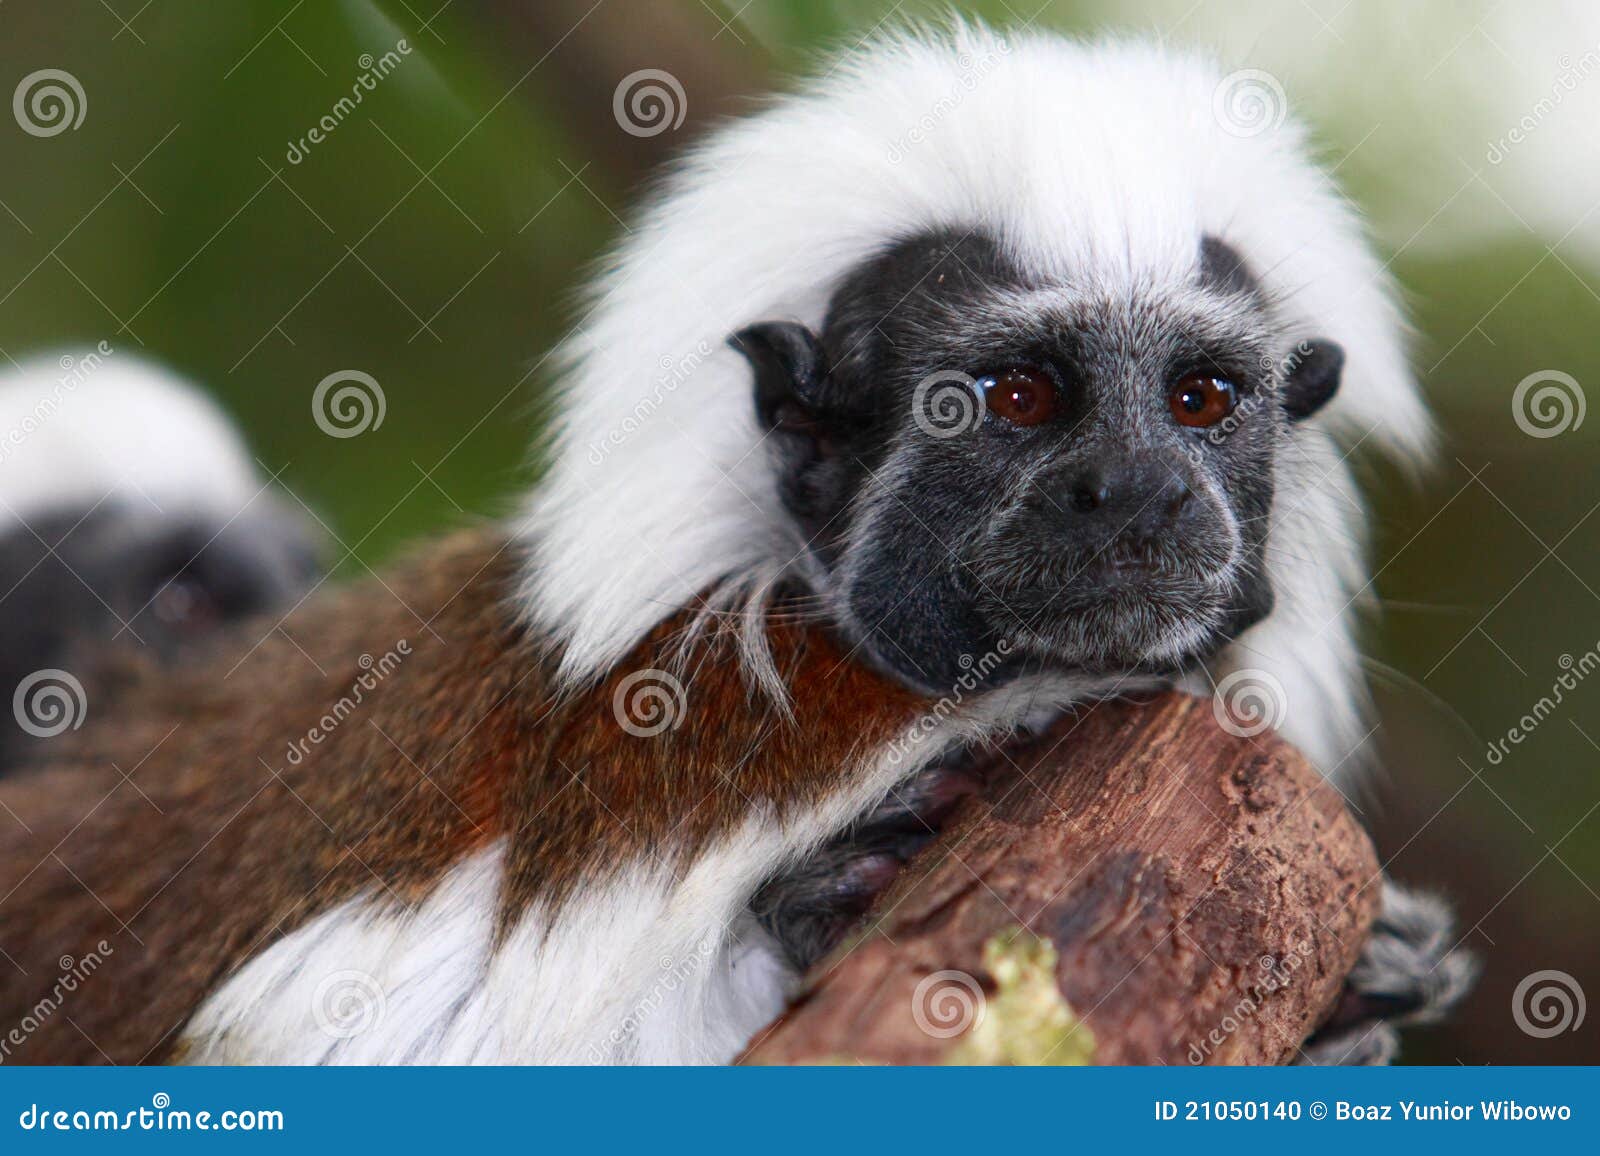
<point x="160" y="582"/>
<point x="1066" y="478"/>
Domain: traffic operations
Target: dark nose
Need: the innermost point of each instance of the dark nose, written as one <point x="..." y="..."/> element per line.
<point x="1129" y="496"/>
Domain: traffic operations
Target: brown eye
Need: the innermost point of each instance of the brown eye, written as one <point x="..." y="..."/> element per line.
<point x="1020" y="396"/>
<point x="1199" y="400"/>
<point x="186" y="606"/>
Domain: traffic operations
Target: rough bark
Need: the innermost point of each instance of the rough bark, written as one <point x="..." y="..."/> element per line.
<point x="1205" y="896"/>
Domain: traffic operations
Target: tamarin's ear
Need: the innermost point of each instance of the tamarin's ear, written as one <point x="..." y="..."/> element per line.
<point x="1312" y="378"/>
<point x="789" y="373"/>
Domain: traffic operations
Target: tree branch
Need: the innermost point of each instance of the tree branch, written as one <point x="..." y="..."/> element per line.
<point x="1199" y="898"/>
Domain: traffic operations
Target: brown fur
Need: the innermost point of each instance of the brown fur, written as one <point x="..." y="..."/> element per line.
<point x="215" y="843"/>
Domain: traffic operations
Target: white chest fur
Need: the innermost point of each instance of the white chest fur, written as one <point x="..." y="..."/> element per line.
<point x="614" y="979"/>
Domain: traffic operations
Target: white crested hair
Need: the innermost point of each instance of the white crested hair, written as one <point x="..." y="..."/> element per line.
<point x="95" y="428"/>
<point x="1103" y="163"/>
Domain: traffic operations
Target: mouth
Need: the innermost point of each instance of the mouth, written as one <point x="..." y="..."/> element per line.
<point x="1117" y="617"/>
<point x="1129" y="604"/>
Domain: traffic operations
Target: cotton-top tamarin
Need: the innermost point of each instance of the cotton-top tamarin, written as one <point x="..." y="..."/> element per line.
<point x="133" y="522"/>
<point x="985" y="375"/>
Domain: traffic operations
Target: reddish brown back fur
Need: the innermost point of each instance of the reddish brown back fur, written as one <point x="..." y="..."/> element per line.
<point x="175" y="827"/>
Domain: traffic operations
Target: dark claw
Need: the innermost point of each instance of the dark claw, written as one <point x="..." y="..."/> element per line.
<point x="1411" y="972"/>
<point x="809" y="908"/>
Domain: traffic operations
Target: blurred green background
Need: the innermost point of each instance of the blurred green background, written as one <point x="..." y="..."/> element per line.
<point x="434" y="238"/>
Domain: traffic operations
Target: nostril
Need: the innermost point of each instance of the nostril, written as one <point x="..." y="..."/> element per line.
<point x="1178" y="497"/>
<point x="1090" y="493"/>
<point x="1087" y="499"/>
